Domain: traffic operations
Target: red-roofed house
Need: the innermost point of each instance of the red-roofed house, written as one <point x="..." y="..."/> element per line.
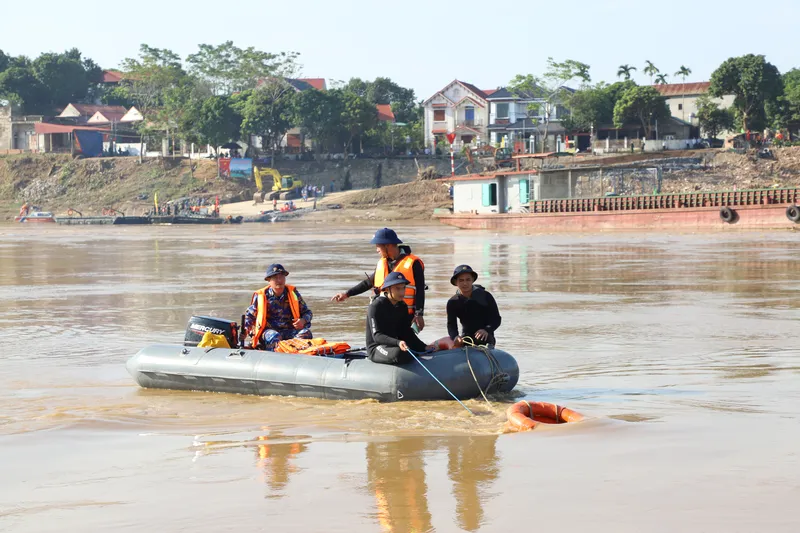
<point x="111" y="77"/>
<point x="105" y="117"/>
<point x="459" y="107"/>
<point x="81" y="113"/>
<point x="317" y="83"/>
<point x="682" y="99"/>
<point x="385" y="113"/>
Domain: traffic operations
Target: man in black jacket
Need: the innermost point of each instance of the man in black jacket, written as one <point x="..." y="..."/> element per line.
<point x="474" y="306"/>
<point x="389" y="333"/>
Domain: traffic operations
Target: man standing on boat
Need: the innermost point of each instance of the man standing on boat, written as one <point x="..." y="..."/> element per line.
<point x="393" y="259"/>
<point x="277" y="312"/>
<point x="389" y="333"/>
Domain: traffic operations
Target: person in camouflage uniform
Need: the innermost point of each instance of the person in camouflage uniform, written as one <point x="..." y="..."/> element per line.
<point x="287" y="316"/>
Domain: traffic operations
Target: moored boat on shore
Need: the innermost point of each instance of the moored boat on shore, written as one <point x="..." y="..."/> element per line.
<point x="36" y="216"/>
<point x="759" y="209"/>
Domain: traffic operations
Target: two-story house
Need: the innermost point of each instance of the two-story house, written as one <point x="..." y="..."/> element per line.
<point x="682" y="98"/>
<point x="459" y="108"/>
<point x="516" y="116"/>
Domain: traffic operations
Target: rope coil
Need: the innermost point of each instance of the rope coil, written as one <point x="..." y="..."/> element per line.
<point x="498" y="376"/>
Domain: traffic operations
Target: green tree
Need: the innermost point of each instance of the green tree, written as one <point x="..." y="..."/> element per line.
<point x="712" y="119"/>
<point x="550" y="89"/>
<point x="358" y="116"/>
<point x="661" y="79"/>
<point x="216" y="121"/>
<point x="625" y="71"/>
<point x="19" y="84"/>
<point x="226" y="68"/>
<point x="319" y="116"/>
<point x="683" y="73"/>
<point x="148" y="83"/>
<point x="753" y="82"/>
<point x="4" y="61"/>
<point x="650" y="69"/>
<point x="64" y="77"/>
<point x="787" y="109"/>
<point x="268" y="112"/>
<point x="643" y="104"/>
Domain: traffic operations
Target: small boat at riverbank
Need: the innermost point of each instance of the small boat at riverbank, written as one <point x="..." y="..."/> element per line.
<point x="193" y="219"/>
<point x="36" y="217"/>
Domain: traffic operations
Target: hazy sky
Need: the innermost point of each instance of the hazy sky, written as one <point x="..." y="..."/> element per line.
<point x="423" y="44"/>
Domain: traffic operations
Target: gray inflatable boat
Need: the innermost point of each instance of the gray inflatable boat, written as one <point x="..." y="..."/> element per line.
<point x="351" y="377"/>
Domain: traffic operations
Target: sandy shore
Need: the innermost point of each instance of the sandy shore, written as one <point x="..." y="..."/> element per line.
<point x="332" y="208"/>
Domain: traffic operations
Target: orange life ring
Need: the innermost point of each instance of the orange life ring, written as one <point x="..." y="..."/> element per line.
<point x="70" y="212"/>
<point x="525" y="416"/>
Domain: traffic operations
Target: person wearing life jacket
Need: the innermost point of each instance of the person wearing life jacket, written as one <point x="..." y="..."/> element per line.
<point x="474" y="307"/>
<point x="389" y="333"/>
<point x="277" y="312"/>
<point x="393" y="259"/>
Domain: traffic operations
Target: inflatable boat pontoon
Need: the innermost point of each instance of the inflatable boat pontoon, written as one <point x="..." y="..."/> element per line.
<point x="352" y="377"/>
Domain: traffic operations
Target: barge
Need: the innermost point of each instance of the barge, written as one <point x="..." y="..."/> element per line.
<point x="758" y="209"/>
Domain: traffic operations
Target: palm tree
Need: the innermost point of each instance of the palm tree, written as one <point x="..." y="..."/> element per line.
<point x="651" y="70"/>
<point x="661" y="79"/>
<point x="683" y="72"/>
<point x="625" y="70"/>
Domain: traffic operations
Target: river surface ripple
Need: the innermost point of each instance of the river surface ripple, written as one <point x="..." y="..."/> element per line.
<point x="682" y="349"/>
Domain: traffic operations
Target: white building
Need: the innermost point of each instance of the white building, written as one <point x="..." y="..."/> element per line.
<point x="496" y="193"/>
<point x="509" y="112"/>
<point x="459" y="108"/>
<point x="682" y="100"/>
<point x="510" y="191"/>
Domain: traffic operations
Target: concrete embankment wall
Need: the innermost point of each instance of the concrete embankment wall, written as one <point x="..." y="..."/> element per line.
<point x="362" y="171"/>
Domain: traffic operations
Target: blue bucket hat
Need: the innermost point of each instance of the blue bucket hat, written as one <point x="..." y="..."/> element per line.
<point x="463" y="269"/>
<point x="394" y="278"/>
<point x="275" y="268"/>
<point x="385" y="236"/>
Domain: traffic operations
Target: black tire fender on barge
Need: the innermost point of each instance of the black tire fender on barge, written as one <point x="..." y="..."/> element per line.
<point x="728" y="215"/>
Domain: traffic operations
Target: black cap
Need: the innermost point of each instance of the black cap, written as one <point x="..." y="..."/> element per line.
<point x="461" y="269"/>
<point x="274" y="269"/>
<point x="385" y="236"/>
<point x="394" y="278"/>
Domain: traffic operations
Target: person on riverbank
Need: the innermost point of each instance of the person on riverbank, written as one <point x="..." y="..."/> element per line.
<point x="389" y="333"/>
<point x="277" y="312"/>
<point x="474" y="307"/>
<point x="394" y="260"/>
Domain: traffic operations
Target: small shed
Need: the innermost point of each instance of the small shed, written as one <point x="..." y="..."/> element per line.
<point x="491" y="193"/>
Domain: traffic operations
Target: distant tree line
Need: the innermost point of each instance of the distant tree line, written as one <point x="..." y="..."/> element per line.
<point x="219" y="94"/>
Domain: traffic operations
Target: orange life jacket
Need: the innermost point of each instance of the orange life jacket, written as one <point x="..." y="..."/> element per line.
<point x="262" y="310"/>
<point x="405" y="267"/>
<point x="312" y="347"/>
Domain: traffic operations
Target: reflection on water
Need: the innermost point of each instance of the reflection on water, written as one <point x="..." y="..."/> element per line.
<point x="396" y="473"/>
<point x="276" y="459"/>
<point x="682" y="349"/>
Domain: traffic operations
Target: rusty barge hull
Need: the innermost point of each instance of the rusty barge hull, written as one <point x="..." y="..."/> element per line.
<point x="766" y="209"/>
<point x="703" y="218"/>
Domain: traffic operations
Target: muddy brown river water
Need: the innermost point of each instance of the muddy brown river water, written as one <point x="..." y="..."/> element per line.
<point x="684" y="351"/>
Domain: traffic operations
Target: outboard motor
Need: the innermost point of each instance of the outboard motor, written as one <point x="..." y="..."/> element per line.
<point x="198" y="325"/>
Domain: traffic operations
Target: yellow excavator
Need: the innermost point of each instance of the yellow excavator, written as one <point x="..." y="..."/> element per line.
<point x="283" y="187"/>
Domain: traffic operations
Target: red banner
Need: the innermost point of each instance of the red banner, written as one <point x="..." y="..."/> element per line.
<point x="224" y="167"/>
